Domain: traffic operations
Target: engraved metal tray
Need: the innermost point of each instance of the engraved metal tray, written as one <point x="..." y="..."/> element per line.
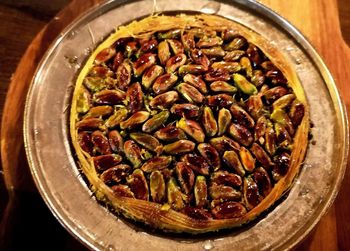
<point x="60" y="183"/>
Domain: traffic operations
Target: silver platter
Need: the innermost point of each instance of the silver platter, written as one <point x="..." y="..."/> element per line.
<point x="56" y="173"/>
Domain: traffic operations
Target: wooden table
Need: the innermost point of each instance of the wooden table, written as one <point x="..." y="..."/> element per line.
<point x="317" y="19"/>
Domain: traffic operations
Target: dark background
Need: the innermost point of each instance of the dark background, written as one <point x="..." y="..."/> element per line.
<point x="32" y="226"/>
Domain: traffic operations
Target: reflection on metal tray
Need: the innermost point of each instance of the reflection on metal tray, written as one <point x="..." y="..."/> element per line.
<point x="58" y="178"/>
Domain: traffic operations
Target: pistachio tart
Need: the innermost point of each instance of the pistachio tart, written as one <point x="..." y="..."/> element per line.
<point x="188" y="123"/>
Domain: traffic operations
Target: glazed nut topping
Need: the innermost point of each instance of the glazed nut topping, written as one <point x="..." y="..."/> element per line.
<point x="196" y="119"/>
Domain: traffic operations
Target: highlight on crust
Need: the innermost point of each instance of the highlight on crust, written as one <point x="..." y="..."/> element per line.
<point x="189" y="123"/>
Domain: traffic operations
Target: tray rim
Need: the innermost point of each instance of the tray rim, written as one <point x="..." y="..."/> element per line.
<point x="259" y="8"/>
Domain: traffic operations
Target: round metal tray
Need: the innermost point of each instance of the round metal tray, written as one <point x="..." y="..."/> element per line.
<point x="56" y="173"/>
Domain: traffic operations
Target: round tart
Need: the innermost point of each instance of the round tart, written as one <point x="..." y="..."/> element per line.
<point x="188" y="123"/>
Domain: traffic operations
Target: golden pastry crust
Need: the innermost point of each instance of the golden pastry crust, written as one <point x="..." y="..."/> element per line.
<point x="158" y="215"/>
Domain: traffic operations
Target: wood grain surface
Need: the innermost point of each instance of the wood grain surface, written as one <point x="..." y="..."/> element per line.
<point x="318" y="20"/>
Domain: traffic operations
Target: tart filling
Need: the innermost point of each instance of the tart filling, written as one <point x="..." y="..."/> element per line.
<point x="188" y="123"/>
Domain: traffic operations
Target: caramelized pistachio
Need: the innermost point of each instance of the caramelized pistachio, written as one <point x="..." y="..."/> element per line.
<point x="95" y="84"/>
<point x="276" y="77"/>
<point x="282" y="162"/>
<point x="254" y="54"/>
<point x="282" y="135"/>
<point x="200" y="191"/>
<point x="99" y="111"/>
<point x="258" y="78"/>
<point x="118" y="60"/>
<point x="143" y="63"/>
<point x="157" y="187"/>
<point x="255" y="106"/>
<point x="136" y="119"/>
<point x="155" y="122"/>
<point x="296" y="113"/>
<point x="283" y="101"/>
<point x="138" y="185"/>
<point x="226" y="178"/>
<point x="231" y="159"/>
<point x="224" y="119"/>
<point x="241" y="134"/>
<point x="280" y="116"/>
<point x="133" y="153"/>
<point x="246" y="66"/>
<point x="131" y="48"/>
<point x="164" y="100"/>
<point x="240" y="116"/>
<point x="222" y="86"/>
<point x="218" y="74"/>
<point x="273" y="94"/>
<point x="121" y="42"/>
<point x="188" y="40"/>
<point x="234" y="55"/>
<point x="123" y="191"/>
<point x="236" y="44"/>
<point x="109" y="97"/>
<point x="251" y="193"/>
<point x="230" y="67"/>
<point x="104" y="162"/>
<point x="262" y="179"/>
<point x="175" y="197"/>
<point x="170" y="133"/>
<point x="185" y="176"/>
<point x="134" y="96"/>
<point x="270" y="140"/>
<point x="200" y="58"/>
<point x="89" y="124"/>
<point x="206" y="42"/>
<point x="100" y="142"/>
<point x="84" y="140"/>
<point x="190" y="93"/>
<point x="210" y="155"/>
<point x="163" y="52"/>
<point x="116" y="141"/>
<point x="215" y="51"/>
<point x="176" y="46"/>
<point x="83" y="101"/>
<point x="151" y="75"/>
<point x="229" y="34"/>
<point x="223" y="143"/>
<point x="191" y="128"/>
<point x="261" y="156"/>
<point x="186" y="110"/>
<point x="221" y="100"/>
<point x="179" y="147"/>
<point x="164" y="82"/>
<point x="224" y="193"/>
<point x="260" y="129"/>
<point x="118" y="116"/>
<point x="123" y="75"/>
<point x="247" y="159"/>
<point x="229" y="210"/>
<point x="115" y="174"/>
<point x="191" y="69"/>
<point x="244" y="85"/>
<point x="147" y="141"/>
<point x="196" y="81"/>
<point x="175" y="62"/>
<point x="209" y="122"/>
<point x="104" y="55"/>
<point x="197" y="163"/>
<point x="156" y="164"/>
<point x="148" y="45"/>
